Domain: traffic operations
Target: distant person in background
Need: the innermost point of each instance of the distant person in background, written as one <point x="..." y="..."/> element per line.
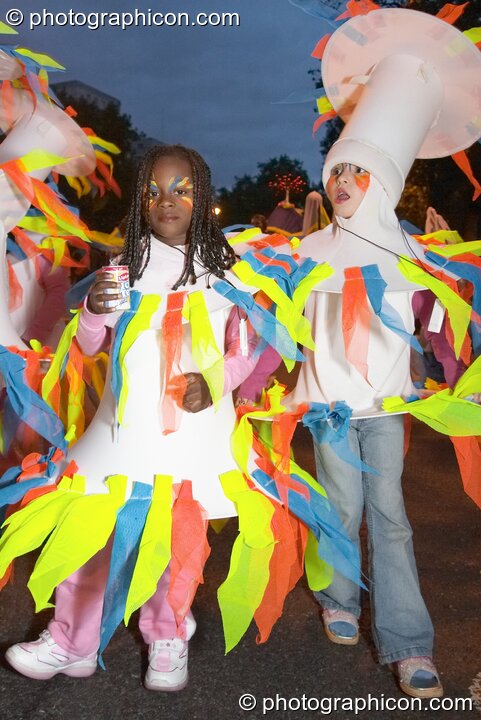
<point x="315" y="216"/>
<point x="259" y="221"/>
<point x="436" y="348"/>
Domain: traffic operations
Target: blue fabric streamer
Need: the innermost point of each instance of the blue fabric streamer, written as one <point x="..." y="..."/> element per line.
<point x="128" y="532"/>
<point x="15" y="250"/>
<point x="375" y="287"/>
<point x="236" y="228"/>
<point x="26" y="404"/>
<point x="331" y="426"/>
<point x="275" y="272"/>
<point x="301" y="96"/>
<point x="322" y="518"/>
<point x="320" y="10"/>
<point x="77" y="293"/>
<point x="120" y="328"/>
<point x="264" y="323"/>
<point x="12" y="491"/>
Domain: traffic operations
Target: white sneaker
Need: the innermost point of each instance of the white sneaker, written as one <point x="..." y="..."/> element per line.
<point x="167" y="665"/>
<point x="43" y="658"/>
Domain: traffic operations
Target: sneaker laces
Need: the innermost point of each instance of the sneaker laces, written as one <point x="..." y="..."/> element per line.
<point x="45" y="635"/>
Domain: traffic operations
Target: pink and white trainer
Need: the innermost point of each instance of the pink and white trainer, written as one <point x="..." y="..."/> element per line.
<point x="167" y="669"/>
<point x="43" y="658"/>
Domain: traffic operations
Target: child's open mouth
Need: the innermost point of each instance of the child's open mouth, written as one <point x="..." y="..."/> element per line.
<point x="342" y="196"/>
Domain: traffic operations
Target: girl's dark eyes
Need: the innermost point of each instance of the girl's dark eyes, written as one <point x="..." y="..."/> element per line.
<point x="355" y="169"/>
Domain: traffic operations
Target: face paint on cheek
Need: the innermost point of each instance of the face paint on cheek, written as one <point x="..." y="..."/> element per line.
<point x="188" y="200"/>
<point x="362" y="181"/>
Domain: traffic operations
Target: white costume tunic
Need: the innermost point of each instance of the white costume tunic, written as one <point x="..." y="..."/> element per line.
<point x="327" y="376"/>
<point x="200" y="450"/>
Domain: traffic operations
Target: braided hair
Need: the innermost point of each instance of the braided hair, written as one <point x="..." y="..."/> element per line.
<point x="205" y="240"/>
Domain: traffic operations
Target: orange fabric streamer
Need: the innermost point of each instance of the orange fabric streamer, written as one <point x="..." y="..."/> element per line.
<point x="174" y="381"/>
<point x="6" y="94"/>
<point x="14" y="170"/>
<point x="358" y="7"/>
<point x="107" y="175"/>
<point x="190" y="550"/>
<point x="356" y="320"/>
<point x="47" y="201"/>
<point x="25" y="243"/>
<point x="322" y="119"/>
<point x="15" y="295"/>
<point x="318" y="51"/>
<point x="286" y="567"/>
<point x="468" y="455"/>
<point x="462" y="161"/>
<point x="450" y="13"/>
<point x="8" y="577"/>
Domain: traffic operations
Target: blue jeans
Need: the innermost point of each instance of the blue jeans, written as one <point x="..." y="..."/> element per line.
<point x="401" y="624"/>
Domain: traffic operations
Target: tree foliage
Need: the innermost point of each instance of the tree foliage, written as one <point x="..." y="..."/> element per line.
<point x="104" y="213"/>
<point x="252" y="194"/>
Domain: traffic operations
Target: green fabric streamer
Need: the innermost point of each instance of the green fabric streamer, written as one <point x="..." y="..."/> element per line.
<point x="205" y="351"/>
<point x="81" y="531"/>
<point x="242" y="591"/>
<point x="319" y="573"/>
<point x="458" y="310"/>
<point x="447" y="411"/>
<point x="52" y="377"/>
<point x="27" y="528"/>
<point x="155" y="547"/>
<point x="138" y="324"/>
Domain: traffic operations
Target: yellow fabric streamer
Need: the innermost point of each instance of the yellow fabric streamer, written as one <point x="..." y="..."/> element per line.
<point x="286" y="311"/>
<point x="449" y="237"/>
<point x="205" y="351"/>
<point x="52" y="377"/>
<point x="27" y="528"/>
<point x="323" y="105"/>
<point x="473" y="246"/>
<point x="112" y="239"/>
<point x="319" y="573"/>
<point x="7" y="29"/>
<point x="473" y="34"/>
<point x="59" y="247"/>
<point x="39" y="159"/>
<point x="242" y="437"/>
<point x="458" y="310"/>
<point x="140" y="322"/>
<point x="242" y="591"/>
<point x="155" y="547"/>
<point x="447" y="411"/>
<point x="81" y="531"/>
<point x="316" y="276"/>
<point x="243" y="236"/>
<point x="40" y="58"/>
<point x="105" y="144"/>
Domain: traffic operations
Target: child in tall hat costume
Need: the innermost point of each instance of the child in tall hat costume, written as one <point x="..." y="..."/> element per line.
<point x="407" y="84"/>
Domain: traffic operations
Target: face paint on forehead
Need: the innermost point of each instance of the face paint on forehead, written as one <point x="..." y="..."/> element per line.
<point x="179" y="183"/>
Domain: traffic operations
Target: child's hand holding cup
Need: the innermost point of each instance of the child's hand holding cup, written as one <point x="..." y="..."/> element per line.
<point x="110" y="291"/>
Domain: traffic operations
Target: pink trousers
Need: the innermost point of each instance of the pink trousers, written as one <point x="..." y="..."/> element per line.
<point x="79" y="602"/>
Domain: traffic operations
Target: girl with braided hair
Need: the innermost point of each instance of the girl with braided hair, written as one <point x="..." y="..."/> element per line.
<point x="173" y="246"/>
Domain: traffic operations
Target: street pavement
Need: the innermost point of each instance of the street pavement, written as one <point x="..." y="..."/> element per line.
<point x="298" y="674"/>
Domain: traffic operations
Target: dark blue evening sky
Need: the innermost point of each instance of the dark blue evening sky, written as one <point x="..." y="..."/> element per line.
<point x="210" y="88"/>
